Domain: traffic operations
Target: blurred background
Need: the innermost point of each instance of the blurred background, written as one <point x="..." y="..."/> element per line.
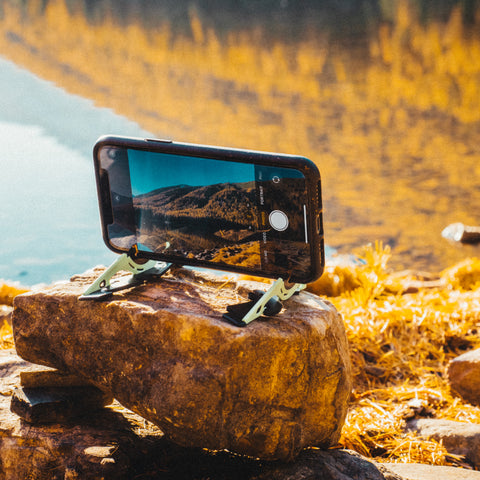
<point x="383" y="95"/>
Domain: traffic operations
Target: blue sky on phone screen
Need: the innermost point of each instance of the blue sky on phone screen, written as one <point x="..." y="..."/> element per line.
<point x="153" y="170"/>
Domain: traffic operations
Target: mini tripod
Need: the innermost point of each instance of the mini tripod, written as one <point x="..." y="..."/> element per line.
<point x="260" y="303"/>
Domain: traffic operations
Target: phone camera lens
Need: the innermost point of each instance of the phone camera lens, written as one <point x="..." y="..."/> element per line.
<point x="112" y="153"/>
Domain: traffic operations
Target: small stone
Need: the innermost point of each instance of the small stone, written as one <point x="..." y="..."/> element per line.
<point x="459" y="438"/>
<point x="458" y="232"/>
<point x="12" y="367"/>
<point x="334" y="464"/>
<point x="101" y="454"/>
<point x="417" y="471"/>
<point x="56" y="404"/>
<point x="464" y="376"/>
<point x="100" y="451"/>
<point x="163" y="351"/>
<point x="50" y="377"/>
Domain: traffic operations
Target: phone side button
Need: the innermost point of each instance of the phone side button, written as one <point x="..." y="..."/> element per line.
<point x="158" y="140"/>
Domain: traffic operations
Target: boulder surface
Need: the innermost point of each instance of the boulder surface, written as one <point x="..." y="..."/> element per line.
<point x="115" y="444"/>
<point x="464" y="376"/>
<point x="105" y="443"/>
<point x="163" y="351"/>
<point x="459" y="438"/>
<point x="418" y="471"/>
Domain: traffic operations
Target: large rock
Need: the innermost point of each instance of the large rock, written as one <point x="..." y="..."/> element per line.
<point x="163" y="351"/>
<point x="114" y="444"/>
<point x="464" y="376"/>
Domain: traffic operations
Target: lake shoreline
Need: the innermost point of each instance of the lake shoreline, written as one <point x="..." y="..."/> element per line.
<point x="392" y="146"/>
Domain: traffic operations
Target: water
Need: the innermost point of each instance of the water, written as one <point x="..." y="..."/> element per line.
<point x="383" y="96"/>
<point x="49" y="214"/>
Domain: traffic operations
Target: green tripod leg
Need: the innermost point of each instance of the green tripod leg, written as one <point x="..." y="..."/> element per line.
<point x="261" y="303"/>
<point x="141" y="271"/>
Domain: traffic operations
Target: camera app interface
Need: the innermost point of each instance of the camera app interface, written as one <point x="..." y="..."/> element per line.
<point x="216" y="211"/>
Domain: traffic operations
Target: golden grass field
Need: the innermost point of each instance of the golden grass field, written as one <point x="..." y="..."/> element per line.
<point x="403" y="329"/>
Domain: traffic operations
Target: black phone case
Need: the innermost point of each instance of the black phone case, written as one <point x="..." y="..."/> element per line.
<point x="306" y="166"/>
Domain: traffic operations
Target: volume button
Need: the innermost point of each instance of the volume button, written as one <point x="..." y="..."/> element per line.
<point x="158" y="140"/>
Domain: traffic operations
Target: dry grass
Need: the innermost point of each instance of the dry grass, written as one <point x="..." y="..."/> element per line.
<point x="403" y="329"/>
<point x="7" y="294"/>
<point x="6" y="336"/>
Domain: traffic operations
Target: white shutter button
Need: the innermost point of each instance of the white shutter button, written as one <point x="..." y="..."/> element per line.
<point x="278" y="220"/>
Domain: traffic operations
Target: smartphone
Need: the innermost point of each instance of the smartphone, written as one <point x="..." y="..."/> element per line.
<point x="236" y="210"/>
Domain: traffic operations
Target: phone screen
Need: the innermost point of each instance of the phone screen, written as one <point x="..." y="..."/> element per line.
<point x="212" y="212"/>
